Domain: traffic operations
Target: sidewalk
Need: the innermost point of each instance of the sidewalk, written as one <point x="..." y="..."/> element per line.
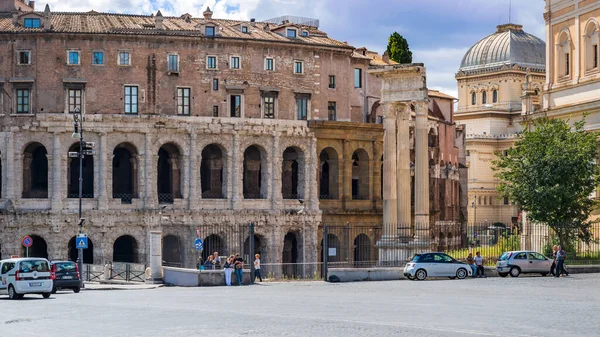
<point x="119" y="286"/>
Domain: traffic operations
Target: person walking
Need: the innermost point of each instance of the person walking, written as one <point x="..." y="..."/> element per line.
<point x="238" y="264"/>
<point x="257" y="268"/>
<point x="553" y="267"/>
<point x="228" y="268"/>
<point x="561" y="255"/>
<point x="471" y="262"/>
<point x="479" y="263"/>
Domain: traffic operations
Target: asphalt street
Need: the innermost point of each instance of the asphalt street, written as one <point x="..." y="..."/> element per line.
<point x="526" y="306"/>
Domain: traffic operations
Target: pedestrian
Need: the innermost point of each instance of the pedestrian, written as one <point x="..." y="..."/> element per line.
<point x="257" y="268"/>
<point x="471" y="263"/>
<point x="238" y="264"/>
<point x="216" y="260"/>
<point x="209" y="264"/>
<point x="561" y="255"/>
<point x="553" y="267"/>
<point x="479" y="263"/>
<point x="228" y="268"/>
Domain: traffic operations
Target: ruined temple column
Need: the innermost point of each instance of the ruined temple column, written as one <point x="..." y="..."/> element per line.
<point x="403" y="171"/>
<point x="103" y="172"/>
<point x="421" y="173"/>
<point x="390" y="193"/>
<point x="57" y="173"/>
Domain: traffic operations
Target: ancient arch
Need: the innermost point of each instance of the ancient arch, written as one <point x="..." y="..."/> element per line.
<point x="362" y="250"/>
<point x="213" y="243"/>
<point x="169" y="173"/>
<point x="255" y="173"/>
<point x="293" y="174"/>
<point x="125" y="172"/>
<point x="125" y="249"/>
<point x="35" y="171"/>
<point x="289" y="257"/>
<point x="260" y="247"/>
<point x="360" y="175"/>
<point x="328" y="174"/>
<point x="212" y="172"/>
<point x="172" y="254"/>
<point x="88" y="254"/>
<point x="87" y="175"/>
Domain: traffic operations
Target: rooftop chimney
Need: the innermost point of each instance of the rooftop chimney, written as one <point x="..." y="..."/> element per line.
<point x="15" y="16"/>
<point x="158" y="21"/>
<point x="47" y="18"/>
<point x="385" y="57"/>
<point x="208" y="13"/>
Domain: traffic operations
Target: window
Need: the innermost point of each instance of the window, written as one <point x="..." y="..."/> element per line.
<point x="236" y="105"/>
<point x="291" y="33"/>
<point x="521" y="256"/>
<point x="304" y="33"/>
<point x="235" y="62"/>
<point x="484" y="97"/>
<point x="124" y="58"/>
<point x="567" y="64"/>
<point x="357" y="78"/>
<point x="536" y="256"/>
<point x="244" y="29"/>
<point x="298" y="67"/>
<point x="215" y="84"/>
<point x="183" y="101"/>
<point x="131" y="99"/>
<point x="211" y="62"/>
<point x="32" y="23"/>
<point x="73" y="57"/>
<point x="468" y="153"/>
<point x="209" y="31"/>
<point x="269" y="106"/>
<point x="22" y="101"/>
<point x="506" y="201"/>
<point x="215" y="111"/>
<point x="98" y="58"/>
<point x="595" y="56"/>
<point x="331" y="81"/>
<point x="473" y="98"/>
<point x="331" y="111"/>
<point x="75" y="96"/>
<point x="495" y="96"/>
<point x="302" y="103"/>
<point x="269" y="64"/>
<point x="24" y="57"/>
<point x="174" y="63"/>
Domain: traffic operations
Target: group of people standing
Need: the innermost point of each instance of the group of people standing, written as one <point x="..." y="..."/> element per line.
<point x="234" y="263"/>
<point x="558" y="265"/>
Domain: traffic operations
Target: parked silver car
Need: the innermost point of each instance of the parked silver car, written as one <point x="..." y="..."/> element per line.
<point x="523" y="262"/>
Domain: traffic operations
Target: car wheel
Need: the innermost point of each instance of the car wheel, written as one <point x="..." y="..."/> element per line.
<point x="54" y="290"/>
<point x="46" y="295"/>
<point x="503" y="274"/>
<point x="515" y="271"/>
<point x="461" y="273"/>
<point x="421" y="274"/>
<point x="76" y="290"/>
<point x="12" y="293"/>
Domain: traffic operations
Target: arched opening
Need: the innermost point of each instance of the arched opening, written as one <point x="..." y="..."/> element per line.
<point x="87" y="175"/>
<point x="591" y="45"/>
<point x="432" y="139"/>
<point x="125" y="249"/>
<point x="334" y="251"/>
<point x="328" y="174"/>
<point x="372" y="117"/>
<point x="35" y="171"/>
<point x="171" y="251"/>
<point x="484" y="97"/>
<point x="360" y="175"/>
<point x="290" y="255"/>
<point x="211" y="172"/>
<point x="212" y="243"/>
<point x="39" y="248"/>
<point x="362" y="251"/>
<point x="169" y="174"/>
<point x="254" y="174"/>
<point x="259" y="248"/>
<point x="88" y="254"/>
<point x="124" y="173"/>
<point x="292" y="174"/>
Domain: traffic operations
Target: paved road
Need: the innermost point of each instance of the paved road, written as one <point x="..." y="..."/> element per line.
<point x="527" y="306"/>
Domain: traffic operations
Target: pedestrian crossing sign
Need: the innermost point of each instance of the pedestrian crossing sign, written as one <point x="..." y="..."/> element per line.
<point x="81" y="242"/>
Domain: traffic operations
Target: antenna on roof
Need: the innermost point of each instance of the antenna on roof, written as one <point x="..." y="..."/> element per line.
<point x="509" y="10"/>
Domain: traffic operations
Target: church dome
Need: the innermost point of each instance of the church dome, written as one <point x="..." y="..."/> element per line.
<point x="509" y="46"/>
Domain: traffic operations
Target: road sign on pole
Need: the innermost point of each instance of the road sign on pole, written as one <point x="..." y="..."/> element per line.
<point x="198" y="244"/>
<point x="81" y="242"/>
<point x="27" y="241"/>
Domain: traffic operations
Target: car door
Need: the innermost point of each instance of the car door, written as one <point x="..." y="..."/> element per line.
<point x="439" y="266"/>
<point x="538" y="263"/>
<point x="4" y="277"/>
<point x="520" y="260"/>
<point x="447" y="266"/>
<point x="427" y="262"/>
<point x="3" y="280"/>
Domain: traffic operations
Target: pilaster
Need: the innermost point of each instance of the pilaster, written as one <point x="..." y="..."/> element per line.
<point x="57" y="170"/>
<point x="276" y="169"/>
<point x="103" y="174"/>
<point x="236" y="181"/>
<point x="312" y="183"/>
<point x="149" y="172"/>
<point x="194" y="175"/>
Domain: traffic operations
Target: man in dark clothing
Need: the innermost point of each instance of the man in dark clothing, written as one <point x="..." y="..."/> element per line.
<point x="238" y="267"/>
<point x="561" y="255"/>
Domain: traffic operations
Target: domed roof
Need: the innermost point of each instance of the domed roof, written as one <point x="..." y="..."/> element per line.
<point x="508" y="46"/>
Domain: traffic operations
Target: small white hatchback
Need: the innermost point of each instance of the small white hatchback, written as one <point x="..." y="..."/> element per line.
<point x="25" y="276"/>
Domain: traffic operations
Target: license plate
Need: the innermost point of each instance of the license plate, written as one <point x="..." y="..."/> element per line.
<point x="67" y="277"/>
<point x="35" y="284"/>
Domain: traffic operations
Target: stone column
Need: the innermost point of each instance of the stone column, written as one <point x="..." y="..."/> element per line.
<point x="311" y="184"/>
<point x="236" y="176"/>
<point x="276" y="169"/>
<point x="150" y="166"/>
<point x="10" y="167"/>
<point x="194" y="172"/>
<point x="390" y="193"/>
<point x="57" y="173"/>
<point x="403" y="169"/>
<point x="155" y="258"/>
<point x="346" y="163"/>
<point x="421" y="173"/>
<point x="103" y="172"/>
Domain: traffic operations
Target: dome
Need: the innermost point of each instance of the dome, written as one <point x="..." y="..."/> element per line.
<point x="510" y="45"/>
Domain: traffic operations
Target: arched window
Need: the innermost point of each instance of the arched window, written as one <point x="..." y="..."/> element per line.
<point x="124" y="172"/>
<point x="292" y="174"/>
<point x="169" y="174"/>
<point x="473" y="98"/>
<point x="35" y="171"/>
<point x="254" y="178"/>
<point x="591" y="45"/>
<point x="87" y="171"/>
<point x="328" y="174"/>
<point x="495" y="96"/>
<point x="484" y="97"/>
<point x="564" y="54"/>
<point x="211" y="172"/>
<point x="360" y="175"/>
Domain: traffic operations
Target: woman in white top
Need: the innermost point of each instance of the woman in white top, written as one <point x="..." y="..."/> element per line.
<point x="257" y="268"/>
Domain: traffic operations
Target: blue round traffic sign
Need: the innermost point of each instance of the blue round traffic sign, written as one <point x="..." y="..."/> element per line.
<point x="198" y="244"/>
<point x="27" y="241"/>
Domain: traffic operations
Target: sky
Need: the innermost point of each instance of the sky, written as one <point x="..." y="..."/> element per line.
<point x="439" y="32"/>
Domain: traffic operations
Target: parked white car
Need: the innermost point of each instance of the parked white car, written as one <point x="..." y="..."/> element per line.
<point x="25" y="276"/>
<point x="436" y="265"/>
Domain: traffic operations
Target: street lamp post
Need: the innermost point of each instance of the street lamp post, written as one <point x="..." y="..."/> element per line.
<point x="78" y="133"/>
<point x="474" y="205"/>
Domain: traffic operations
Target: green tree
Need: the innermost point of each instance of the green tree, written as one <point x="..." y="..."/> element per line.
<point x="398" y="50"/>
<point x="551" y="173"/>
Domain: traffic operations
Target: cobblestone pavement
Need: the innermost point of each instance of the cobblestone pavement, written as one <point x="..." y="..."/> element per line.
<point x="526" y="306"/>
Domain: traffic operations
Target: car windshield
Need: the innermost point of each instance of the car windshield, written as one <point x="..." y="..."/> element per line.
<point x="65" y="266"/>
<point x="504" y="256"/>
<point x="29" y="266"/>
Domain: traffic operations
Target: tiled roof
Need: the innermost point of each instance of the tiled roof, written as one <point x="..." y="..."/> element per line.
<point x="108" y="23"/>
<point x="436" y="93"/>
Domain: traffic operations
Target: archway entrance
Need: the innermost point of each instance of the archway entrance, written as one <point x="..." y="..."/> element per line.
<point x="87" y="174"/>
<point x="290" y="175"/>
<point x="124" y="173"/>
<point x="211" y="172"/>
<point x="88" y="254"/>
<point x="253" y="174"/>
<point x="125" y="249"/>
<point x="169" y="174"/>
<point x="35" y="171"/>
<point x="212" y="243"/>
<point x="171" y="251"/>
<point x="328" y="174"/>
<point x="290" y="255"/>
<point x="362" y="251"/>
<point x="38" y="249"/>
